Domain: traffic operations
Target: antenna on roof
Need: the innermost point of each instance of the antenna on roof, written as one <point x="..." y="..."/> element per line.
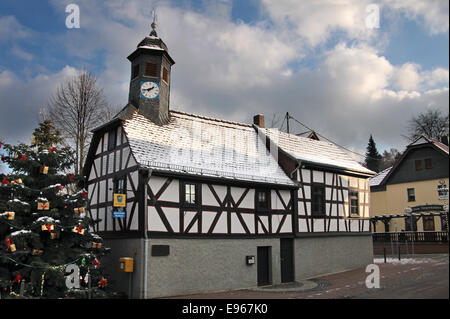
<point x="154" y="24"/>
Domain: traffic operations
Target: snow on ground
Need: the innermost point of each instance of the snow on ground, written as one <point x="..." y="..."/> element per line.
<point x="403" y="261"/>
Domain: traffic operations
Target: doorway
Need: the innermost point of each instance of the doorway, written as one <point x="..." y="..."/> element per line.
<point x="264" y="266"/>
<point x="287" y="259"/>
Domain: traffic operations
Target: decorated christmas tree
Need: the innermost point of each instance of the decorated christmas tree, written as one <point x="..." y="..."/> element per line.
<point x="46" y="248"/>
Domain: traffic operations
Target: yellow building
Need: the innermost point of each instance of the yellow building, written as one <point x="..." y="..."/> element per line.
<point x="405" y="196"/>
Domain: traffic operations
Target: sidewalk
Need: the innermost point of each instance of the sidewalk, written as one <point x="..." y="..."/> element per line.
<point x="422" y="277"/>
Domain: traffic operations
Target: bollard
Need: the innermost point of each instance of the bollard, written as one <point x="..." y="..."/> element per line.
<point x="399" y="258"/>
<point x="384" y="253"/>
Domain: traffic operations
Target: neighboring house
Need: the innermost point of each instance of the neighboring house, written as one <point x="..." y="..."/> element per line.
<point x="213" y="204"/>
<point x="405" y="197"/>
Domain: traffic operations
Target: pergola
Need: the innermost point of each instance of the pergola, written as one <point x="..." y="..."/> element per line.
<point x="386" y="219"/>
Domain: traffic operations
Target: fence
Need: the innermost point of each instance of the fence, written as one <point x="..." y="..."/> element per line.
<point x="412" y="236"/>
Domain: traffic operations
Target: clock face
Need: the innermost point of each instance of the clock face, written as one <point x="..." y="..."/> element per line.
<point x="150" y="90"/>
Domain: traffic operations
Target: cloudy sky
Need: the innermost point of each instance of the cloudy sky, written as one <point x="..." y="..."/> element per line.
<point x="330" y="63"/>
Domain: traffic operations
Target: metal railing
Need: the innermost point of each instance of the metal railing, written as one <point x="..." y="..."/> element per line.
<point x="412" y="236"/>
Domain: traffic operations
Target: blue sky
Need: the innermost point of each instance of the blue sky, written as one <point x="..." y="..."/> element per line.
<point x="318" y="60"/>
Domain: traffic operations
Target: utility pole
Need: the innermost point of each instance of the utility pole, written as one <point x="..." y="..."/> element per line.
<point x="287" y="121"/>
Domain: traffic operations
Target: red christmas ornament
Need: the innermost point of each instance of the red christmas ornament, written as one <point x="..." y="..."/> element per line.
<point x="71" y="176"/>
<point x="18" y="278"/>
<point x="23" y="158"/>
<point x="8" y="243"/>
<point x="96" y="263"/>
<point x="102" y="283"/>
<point x="53" y="149"/>
<point x="84" y="194"/>
<point x="5" y="181"/>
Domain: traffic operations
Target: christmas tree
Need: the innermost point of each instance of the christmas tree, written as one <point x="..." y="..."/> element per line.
<point x="44" y="227"/>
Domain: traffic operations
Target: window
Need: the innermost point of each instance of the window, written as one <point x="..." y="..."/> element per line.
<point x="135" y="71"/>
<point x="165" y="75"/>
<point x="411" y="223"/>
<point x="418" y="165"/>
<point x="151" y="69"/>
<point x="120" y="186"/>
<point x="112" y="138"/>
<point x="318" y="200"/>
<point x="428" y="163"/>
<point x="354" y="202"/>
<point x="262" y="199"/>
<point x="190" y="194"/>
<point x="411" y="195"/>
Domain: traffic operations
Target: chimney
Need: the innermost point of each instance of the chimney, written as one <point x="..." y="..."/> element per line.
<point x="444" y="140"/>
<point x="259" y="120"/>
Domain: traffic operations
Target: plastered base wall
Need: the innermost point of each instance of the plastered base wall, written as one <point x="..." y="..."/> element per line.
<point x="207" y="265"/>
<point x="316" y="256"/>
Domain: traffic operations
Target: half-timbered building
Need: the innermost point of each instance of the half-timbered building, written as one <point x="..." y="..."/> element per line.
<point x="213" y="204"/>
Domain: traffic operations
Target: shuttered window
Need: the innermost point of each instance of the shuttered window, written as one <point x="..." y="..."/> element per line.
<point x="151" y="69"/>
<point x="262" y="199"/>
<point x="135" y="71"/>
<point x="165" y="75"/>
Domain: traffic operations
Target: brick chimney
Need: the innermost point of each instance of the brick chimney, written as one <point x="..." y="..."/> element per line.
<point x="259" y="120"/>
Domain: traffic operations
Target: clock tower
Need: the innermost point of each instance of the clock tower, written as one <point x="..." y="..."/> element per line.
<point x="150" y="78"/>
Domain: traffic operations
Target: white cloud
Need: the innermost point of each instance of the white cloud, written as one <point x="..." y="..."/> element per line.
<point x="407" y="77"/>
<point x="433" y="13"/>
<point x="315" y="21"/>
<point x="22" y="100"/>
<point x="21" y="53"/>
<point x="10" y="28"/>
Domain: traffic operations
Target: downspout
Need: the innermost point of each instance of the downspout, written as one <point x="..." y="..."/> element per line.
<point x="145" y="246"/>
<point x="299" y="164"/>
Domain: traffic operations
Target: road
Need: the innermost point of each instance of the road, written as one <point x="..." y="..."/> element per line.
<point x="422" y="277"/>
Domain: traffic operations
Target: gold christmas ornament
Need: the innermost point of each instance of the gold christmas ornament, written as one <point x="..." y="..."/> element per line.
<point x="54" y="235"/>
<point x="44" y="169"/>
<point x="10" y="215"/>
<point x="37" y="252"/>
<point x="43" y="206"/>
<point x="79" y="210"/>
<point x="12" y="247"/>
<point x="48" y="227"/>
<point x="97" y="245"/>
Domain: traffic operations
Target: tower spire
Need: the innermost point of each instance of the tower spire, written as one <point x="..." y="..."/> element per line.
<point x="154" y="25"/>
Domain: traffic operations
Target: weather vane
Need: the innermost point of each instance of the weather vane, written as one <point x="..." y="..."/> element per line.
<point x="154" y="24"/>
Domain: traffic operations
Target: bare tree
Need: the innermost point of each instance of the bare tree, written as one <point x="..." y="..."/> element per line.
<point x="77" y="107"/>
<point x="432" y="124"/>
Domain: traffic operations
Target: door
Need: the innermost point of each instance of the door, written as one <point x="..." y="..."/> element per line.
<point x="428" y="225"/>
<point x="263" y="264"/>
<point x="286" y="259"/>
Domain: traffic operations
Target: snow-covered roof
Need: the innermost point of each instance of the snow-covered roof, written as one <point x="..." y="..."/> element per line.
<point x="377" y="179"/>
<point x="313" y="151"/>
<point x="197" y="145"/>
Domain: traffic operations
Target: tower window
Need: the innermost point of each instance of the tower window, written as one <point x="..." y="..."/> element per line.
<point x="151" y="69"/>
<point x="165" y="75"/>
<point x="135" y="71"/>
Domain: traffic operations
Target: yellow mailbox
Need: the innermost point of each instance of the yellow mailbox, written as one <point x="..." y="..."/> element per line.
<point x="126" y="264"/>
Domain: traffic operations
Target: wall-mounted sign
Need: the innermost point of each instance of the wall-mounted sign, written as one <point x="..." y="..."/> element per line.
<point x="442" y="190"/>
<point x="119" y="214"/>
<point x="424" y="208"/>
<point x="120" y="200"/>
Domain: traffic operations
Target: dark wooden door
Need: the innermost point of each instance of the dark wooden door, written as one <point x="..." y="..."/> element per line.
<point x="263" y="261"/>
<point x="428" y="223"/>
<point x="287" y="259"/>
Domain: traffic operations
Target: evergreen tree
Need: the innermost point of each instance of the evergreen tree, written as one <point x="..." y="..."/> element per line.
<point x="373" y="158"/>
<point x="44" y="226"/>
